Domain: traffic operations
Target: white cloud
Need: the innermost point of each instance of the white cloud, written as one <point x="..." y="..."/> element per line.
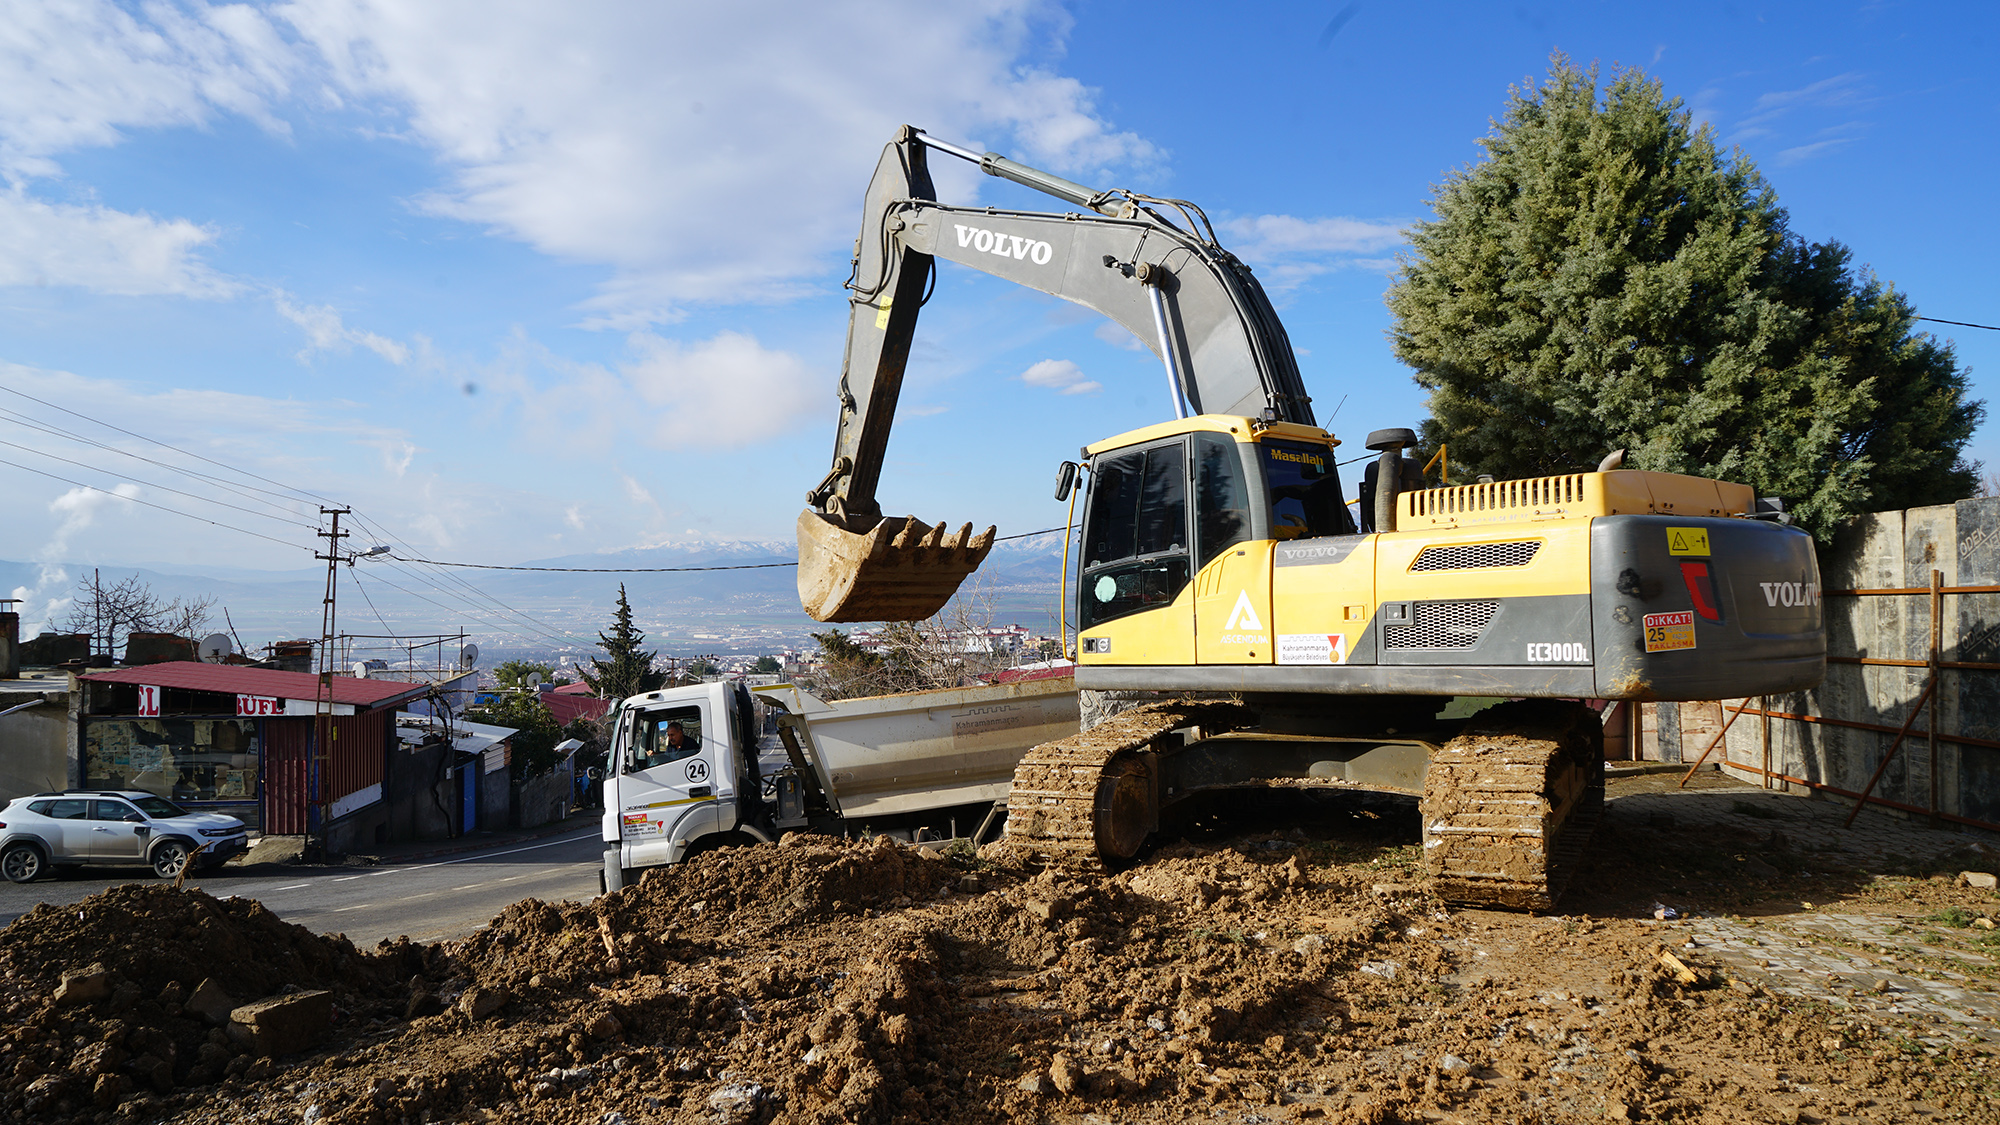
<point x="1289" y="251"/>
<point x="1118" y="336"/>
<point x="80" y="73"/>
<point x="103" y="250"/>
<point x="325" y="331"/>
<point x="704" y="153"/>
<point x="707" y="153"/>
<point x="1265" y="236"/>
<point x="1061" y="376"/>
<point x="728" y="391"/>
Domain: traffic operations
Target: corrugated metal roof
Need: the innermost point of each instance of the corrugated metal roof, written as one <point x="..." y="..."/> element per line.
<point x="231" y="680"/>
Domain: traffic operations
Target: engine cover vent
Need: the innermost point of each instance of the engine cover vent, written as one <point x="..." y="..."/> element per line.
<point x="1441" y="625"/>
<point x="1472" y="556"/>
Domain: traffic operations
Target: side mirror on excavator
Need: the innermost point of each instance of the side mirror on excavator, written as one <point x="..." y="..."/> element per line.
<point x="1066" y="479"/>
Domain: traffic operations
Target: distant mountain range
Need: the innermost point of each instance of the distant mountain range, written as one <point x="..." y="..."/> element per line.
<point x="752" y="607"/>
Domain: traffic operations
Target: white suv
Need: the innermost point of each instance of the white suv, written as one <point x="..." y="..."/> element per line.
<point x="119" y="827"/>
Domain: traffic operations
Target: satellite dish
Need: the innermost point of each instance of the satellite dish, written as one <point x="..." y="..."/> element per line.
<point x="215" y="648"/>
<point x="361" y="669"/>
<point x="468" y="657"/>
<point x="534" y="679"/>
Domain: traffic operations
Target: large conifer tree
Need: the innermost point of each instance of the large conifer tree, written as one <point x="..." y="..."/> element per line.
<point x="630" y="670"/>
<point x="1606" y="278"/>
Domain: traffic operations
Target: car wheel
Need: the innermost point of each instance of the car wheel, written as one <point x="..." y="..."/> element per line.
<point x="169" y="858"/>
<point x="22" y="863"/>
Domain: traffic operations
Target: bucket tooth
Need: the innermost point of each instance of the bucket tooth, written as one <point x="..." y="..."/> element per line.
<point x="882" y="569"/>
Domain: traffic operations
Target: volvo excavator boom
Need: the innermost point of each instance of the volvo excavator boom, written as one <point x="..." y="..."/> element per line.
<point x="1198" y="308"/>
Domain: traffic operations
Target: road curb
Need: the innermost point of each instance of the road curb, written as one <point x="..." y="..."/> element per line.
<point x="457" y="847"/>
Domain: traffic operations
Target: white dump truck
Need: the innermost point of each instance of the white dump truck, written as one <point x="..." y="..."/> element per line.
<point x="684" y="773"/>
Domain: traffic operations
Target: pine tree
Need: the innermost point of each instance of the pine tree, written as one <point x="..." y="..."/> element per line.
<point x="630" y="670"/>
<point x="1606" y="278"/>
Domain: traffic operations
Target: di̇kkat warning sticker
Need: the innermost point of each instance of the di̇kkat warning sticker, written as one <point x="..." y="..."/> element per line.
<point x="639" y="824"/>
<point x="1312" y="648"/>
<point x="1687" y="541"/>
<point x="1666" y="632"/>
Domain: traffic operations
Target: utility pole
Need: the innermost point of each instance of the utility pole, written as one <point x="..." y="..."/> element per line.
<point x="323" y="732"/>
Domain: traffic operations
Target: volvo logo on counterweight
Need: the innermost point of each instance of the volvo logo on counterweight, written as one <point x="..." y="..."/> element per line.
<point x="1004" y="245"/>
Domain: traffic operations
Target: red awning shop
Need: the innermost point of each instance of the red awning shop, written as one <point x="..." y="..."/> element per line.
<point x="218" y="735"/>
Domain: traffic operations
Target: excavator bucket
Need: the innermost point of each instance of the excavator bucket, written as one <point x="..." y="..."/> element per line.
<point x="882" y="569"/>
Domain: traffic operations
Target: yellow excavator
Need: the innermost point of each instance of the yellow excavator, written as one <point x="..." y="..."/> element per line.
<point x="1453" y="642"/>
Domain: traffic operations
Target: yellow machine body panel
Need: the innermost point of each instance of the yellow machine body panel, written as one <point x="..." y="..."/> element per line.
<point x="1323" y="609"/>
<point x="1233" y="622"/>
<point x="1164" y="635"/>
<point x="1512" y="560"/>
<point x="1215" y="558"/>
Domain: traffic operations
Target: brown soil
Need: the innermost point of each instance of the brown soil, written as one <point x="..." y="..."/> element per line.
<point x="1261" y="978"/>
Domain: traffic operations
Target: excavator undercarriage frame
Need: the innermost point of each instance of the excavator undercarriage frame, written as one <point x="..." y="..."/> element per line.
<point x="1509" y="801"/>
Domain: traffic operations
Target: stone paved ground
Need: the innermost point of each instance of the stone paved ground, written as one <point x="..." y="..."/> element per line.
<point x="1875" y="944"/>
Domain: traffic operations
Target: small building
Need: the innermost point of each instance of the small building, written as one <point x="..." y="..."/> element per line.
<point x="241" y="740"/>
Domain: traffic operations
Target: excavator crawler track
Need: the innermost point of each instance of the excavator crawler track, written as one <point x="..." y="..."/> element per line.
<point x="1063" y="788"/>
<point x="1510" y="805"/>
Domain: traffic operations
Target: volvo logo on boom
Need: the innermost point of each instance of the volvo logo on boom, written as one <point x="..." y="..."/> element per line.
<point x="1004" y="245"/>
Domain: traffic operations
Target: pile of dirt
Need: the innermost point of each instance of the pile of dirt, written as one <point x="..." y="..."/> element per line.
<point x="1258" y="978"/>
<point x="147" y="949"/>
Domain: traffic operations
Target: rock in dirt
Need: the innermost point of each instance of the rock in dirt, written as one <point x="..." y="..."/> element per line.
<point x="84" y="986"/>
<point x="480" y="1002"/>
<point x="283" y="1025"/>
<point x="736" y="1103"/>
<point x="1065" y="1074"/>
<point x="1978" y="880"/>
<point x="210" y="1003"/>
<point x="605" y="1026"/>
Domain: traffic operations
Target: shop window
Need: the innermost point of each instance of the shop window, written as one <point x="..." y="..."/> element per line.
<point x="179" y="759"/>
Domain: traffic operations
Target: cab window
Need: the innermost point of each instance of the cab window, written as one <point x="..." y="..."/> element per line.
<point x="1221" y="500"/>
<point x="664" y="736"/>
<point x="1135" y="533"/>
<point x="1305" y="491"/>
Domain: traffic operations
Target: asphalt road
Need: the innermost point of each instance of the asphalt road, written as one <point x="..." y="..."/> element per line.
<point x="428" y="901"/>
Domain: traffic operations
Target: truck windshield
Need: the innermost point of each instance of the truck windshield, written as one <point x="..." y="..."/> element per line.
<point x="664" y="736"/>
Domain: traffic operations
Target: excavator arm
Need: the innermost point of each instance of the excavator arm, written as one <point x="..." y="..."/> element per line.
<point x="1192" y="303"/>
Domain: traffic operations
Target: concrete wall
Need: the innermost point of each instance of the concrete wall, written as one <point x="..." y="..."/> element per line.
<point x="34" y="743"/>
<point x="423" y="801"/>
<point x="544" y="799"/>
<point x="1897" y="549"/>
<point x="496" y="798"/>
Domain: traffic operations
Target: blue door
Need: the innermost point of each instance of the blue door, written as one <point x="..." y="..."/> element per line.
<point x="468" y="796"/>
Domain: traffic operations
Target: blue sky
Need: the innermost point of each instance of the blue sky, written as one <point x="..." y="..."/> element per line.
<point x="527" y="280"/>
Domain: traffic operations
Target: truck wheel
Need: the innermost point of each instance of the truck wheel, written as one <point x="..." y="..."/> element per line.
<point x="169" y="858"/>
<point x="22" y="863"/>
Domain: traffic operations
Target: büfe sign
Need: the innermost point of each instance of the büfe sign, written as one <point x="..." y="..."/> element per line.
<point x="259" y="705"/>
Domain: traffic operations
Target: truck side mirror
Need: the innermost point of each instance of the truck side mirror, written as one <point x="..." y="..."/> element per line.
<point x="1066" y="479"/>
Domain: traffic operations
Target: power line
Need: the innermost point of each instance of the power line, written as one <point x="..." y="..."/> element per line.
<point x="1960" y="323"/>
<point x="245" y="491"/>
<point x="657" y="569"/>
<point x="161" y="487"/>
<point x="149" y="504"/>
<point x="177" y="449"/>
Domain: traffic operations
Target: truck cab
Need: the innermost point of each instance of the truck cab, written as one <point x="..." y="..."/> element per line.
<point x="682" y="775"/>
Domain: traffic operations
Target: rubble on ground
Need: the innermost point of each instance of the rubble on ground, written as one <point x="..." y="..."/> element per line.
<point x="1260" y="978"/>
